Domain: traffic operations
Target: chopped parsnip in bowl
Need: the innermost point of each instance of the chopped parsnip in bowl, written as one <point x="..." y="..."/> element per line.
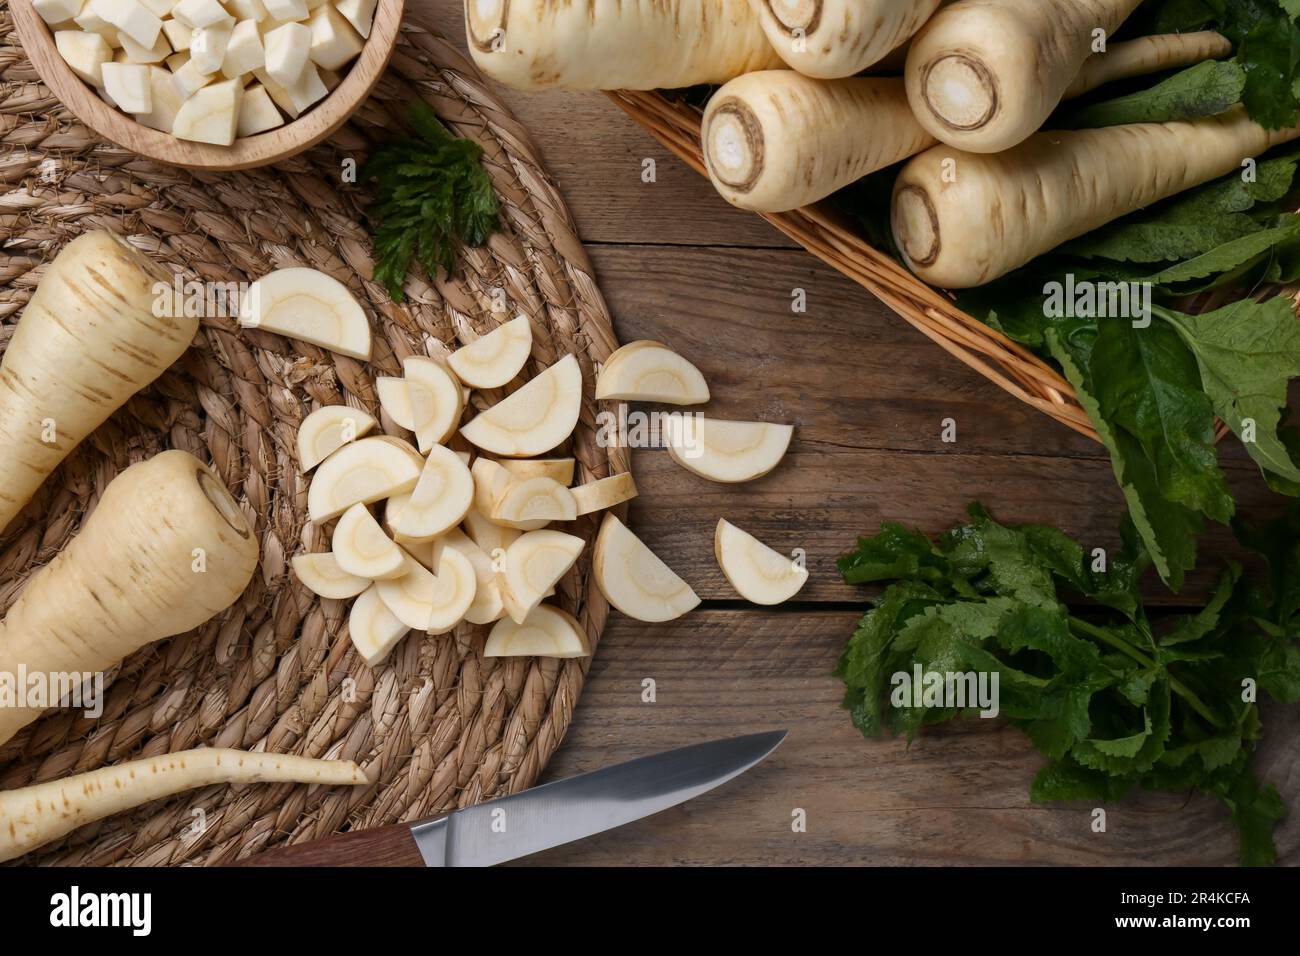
<point x="208" y="71"/>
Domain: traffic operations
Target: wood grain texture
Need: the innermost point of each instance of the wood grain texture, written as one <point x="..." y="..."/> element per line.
<point x="958" y="795"/>
<point x="381" y="846"/>
<point x="245" y="153"/>
<point x="867" y="395"/>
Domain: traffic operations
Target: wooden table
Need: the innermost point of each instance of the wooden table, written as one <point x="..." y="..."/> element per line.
<point x="868" y="397"/>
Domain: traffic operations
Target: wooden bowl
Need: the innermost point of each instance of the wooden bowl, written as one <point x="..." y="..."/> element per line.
<point x="264" y="148"/>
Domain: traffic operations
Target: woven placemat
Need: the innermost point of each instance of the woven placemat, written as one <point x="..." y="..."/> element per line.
<point x="437" y="726"/>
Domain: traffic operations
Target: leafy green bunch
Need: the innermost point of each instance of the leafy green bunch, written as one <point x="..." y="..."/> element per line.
<point x="1153" y="392"/>
<point x="431" y="196"/>
<point x="1113" y="699"/>
<point x="1266" y="40"/>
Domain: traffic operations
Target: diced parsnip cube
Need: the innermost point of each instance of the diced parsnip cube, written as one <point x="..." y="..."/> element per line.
<point x="247" y="9"/>
<point x="244" y="52"/>
<point x="334" y="42"/>
<point x="128" y="85"/>
<point x="135" y="53"/>
<point x="211" y="115"/>
<point x="55" y="12"/>
<point x="277" y="93"/>
<point x="287" y="48"/>
<point x="178" y="34"/>
<point x="257" y="113"/>
<point x="130" y="17"/>
<point x="308" y="89"/>
<point x="86" y="53"/>
<point x="165" y="100"/>
<point x="286" y="10"/>
<point x="189" y="80"/>
<point x="177" y="60"/>
<point x="359" y="13"/>
<point x="208" y="47"/>
<point x="92" y="22"/>
<point x="159" y="8"/>
<point x="201" y="13"/>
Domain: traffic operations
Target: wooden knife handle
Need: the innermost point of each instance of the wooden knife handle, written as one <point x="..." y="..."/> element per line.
<point x="382" y="846"/>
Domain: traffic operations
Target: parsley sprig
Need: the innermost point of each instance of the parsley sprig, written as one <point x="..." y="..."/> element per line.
<point x="1113" y="698"/>
<point x="431" y="197"/>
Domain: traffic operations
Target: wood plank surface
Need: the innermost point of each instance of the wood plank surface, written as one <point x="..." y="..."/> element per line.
<point x="868" y="396"/>
<point x="958" y="795"/>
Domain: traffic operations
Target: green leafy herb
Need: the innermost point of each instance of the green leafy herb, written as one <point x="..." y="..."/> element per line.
<point x="1206" y="89"/>
<point x="1152" y="390"/>
<point x="1113" y="699"/>
<point x="431" y="196"/>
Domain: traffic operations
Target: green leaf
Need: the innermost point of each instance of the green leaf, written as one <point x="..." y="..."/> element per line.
<point x="1206" y="89"/>
<point x="1228" y="256"/>
<point x="1247" y="352"/>
<point x="896" y="552"/>
<point x="1168" y="530"/>
<point x="1147" y="384"/>
<point x="431" y="196"/>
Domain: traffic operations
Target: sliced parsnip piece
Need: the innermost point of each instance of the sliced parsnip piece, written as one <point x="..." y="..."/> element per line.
<point x="534" y="419"/>
<point x="533" y="564"/>
<point x="604" y="493"/>
<point x="557" y="469"/>
<point x="422" y="551"/>
<point x="396" y="400"/>
<point x="308" y="305"/>
<point x="359" y="13"/>
<point x="257" y="113"/>
<point x="546" y="632"/>
<point x="487" y="605"/>
<point x="374" y="629"/>
<point x="410" y="595"/>
<point x="634" y="579"/>
<point x="758" y="573"/>
<point x="529" y="500"/>
<point x="321" y="575"/>
<point x="454" y="591"/>
<point x="440" y="498"/>
<point x="328" y="429"/>
<point x="362" y="472"/>
<point x="86" y="53"/>
<point x="436" y="400"/>
<point x="128" y="86"/>
<point x="493" y="538"/>
<point x="727" y="451"/>
<point x="495" y="359"/>
<point x="361" y="548"/>
<point x="164" y="100"/>
<point x="649" y="371"/>
<point x="334" y="42"/>
<point x="490" y="482"/>
<point x="211" y="114"/>
<point x="285" y="50"/>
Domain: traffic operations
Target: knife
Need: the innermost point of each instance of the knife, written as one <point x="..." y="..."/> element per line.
<point x="543" y="817"/>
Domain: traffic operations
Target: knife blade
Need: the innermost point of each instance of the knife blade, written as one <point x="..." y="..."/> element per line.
<point x="546" y="816"/>
<point x="590" y="803"/>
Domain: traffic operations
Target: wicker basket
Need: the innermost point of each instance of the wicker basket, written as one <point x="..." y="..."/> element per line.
<point x="828" y="236"/>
